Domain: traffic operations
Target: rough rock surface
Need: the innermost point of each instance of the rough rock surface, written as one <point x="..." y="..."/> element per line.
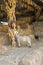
<point x="23" y="55"/>
<point x="38" y="28"/>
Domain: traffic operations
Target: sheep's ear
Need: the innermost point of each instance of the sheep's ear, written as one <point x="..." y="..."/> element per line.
<point x="15" y="32"/>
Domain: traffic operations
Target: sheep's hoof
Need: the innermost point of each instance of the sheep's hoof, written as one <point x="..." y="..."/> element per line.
<point x="18" y="46"/>
<point x="29" y="46"/>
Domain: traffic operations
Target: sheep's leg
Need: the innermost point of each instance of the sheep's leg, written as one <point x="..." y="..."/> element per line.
<point x="30" y="46"/>
<point x="29" y="42"/>
<point x="19" y="44"/>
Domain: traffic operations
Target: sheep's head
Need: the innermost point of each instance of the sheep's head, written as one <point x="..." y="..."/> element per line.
<point x="16" y="32"/>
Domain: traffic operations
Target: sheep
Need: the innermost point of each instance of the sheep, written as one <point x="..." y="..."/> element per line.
<point x="22" y="38"/>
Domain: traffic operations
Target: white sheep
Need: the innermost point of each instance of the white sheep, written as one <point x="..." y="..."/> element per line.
<point x="22" y="38"/>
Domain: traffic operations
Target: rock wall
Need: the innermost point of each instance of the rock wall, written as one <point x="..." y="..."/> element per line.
<point x="24" y="27"/>
<point x="4" y="39"/>
<point x="4" y="28"/>
<point x="38" y="28"/>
